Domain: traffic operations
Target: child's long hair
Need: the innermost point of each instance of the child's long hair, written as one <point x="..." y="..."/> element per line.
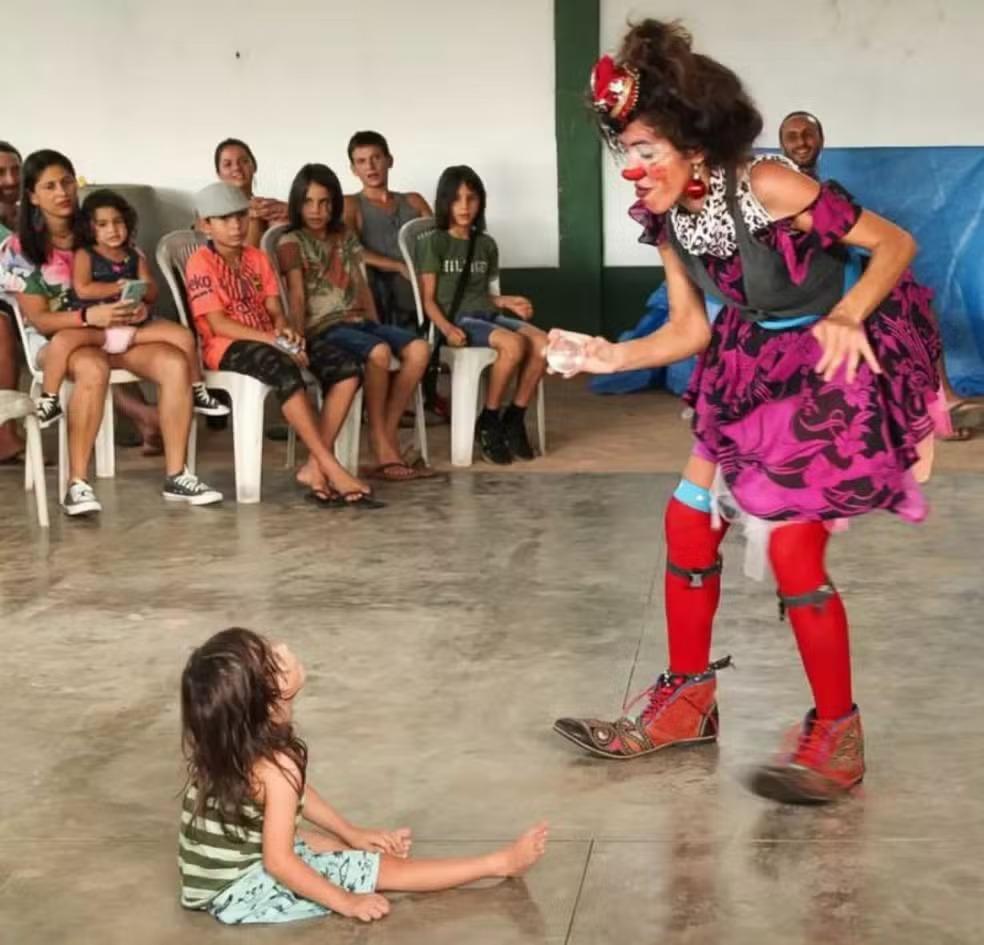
<point x="447" y="189"/>
<point x="85" y="233"/>
<point x="230" y="691"/>
<point x="327" y="178"/>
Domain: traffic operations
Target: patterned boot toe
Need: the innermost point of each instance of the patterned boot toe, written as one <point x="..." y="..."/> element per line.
<point x="824" y="760"/>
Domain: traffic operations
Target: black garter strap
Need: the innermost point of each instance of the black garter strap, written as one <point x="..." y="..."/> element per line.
<point x="815" y="598"/>
<point x="695" y="575"/>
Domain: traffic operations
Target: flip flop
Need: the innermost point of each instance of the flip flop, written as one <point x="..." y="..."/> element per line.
<point x="324" y="498"/>
<point x="383" y="472"/>
<point x="959" y="435"/>
<point x="360" y="500"/>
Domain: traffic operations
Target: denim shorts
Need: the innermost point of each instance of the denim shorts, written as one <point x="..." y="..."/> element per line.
<point x="359" y="338"/>
<point x="478" y="326"/>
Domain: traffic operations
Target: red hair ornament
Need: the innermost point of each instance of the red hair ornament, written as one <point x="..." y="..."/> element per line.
<point x="614" y="90"/>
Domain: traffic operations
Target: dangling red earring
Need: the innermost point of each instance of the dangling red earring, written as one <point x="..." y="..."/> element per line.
<point x="696" y="188"/>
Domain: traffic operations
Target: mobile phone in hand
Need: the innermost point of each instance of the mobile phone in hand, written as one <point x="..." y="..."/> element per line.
<point x="133" y="291"/>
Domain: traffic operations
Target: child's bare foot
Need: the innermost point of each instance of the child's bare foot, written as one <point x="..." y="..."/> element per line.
<point x="523" y="852"/>
<point x="346" y="484"/>
<point x="310" y="475"/>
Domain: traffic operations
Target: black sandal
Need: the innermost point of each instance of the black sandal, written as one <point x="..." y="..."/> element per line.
<point x="324" y="498"/>
<point x="360" y="500"/>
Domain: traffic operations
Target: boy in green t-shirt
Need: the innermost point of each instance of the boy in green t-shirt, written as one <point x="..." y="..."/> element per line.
<point x="478" y="317"/>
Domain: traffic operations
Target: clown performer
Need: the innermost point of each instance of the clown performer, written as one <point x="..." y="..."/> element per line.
<point x="811" y="396"/>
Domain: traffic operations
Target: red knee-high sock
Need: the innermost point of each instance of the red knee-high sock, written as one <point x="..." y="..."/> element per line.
<point x="691" y="543"/>
<point x="797" y="555"/>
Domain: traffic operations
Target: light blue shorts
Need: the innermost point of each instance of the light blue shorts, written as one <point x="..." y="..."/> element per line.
<point x="258" y="897"/>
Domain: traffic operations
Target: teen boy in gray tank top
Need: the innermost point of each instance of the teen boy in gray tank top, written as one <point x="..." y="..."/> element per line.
<point x="376" y="213"/>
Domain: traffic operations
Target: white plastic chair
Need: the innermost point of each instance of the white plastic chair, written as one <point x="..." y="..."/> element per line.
<point x="16" y="405"/>
<point x="105" y="448"/>
<point x="352" y="430"/>
<point x="467" y="365"/>
<point x="246" y="393"/>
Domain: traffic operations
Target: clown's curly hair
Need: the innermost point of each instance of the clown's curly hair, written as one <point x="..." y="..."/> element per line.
<point x="692" y="100"/>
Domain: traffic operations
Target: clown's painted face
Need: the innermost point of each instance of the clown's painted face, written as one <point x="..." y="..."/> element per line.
<point x="659" y="171"/>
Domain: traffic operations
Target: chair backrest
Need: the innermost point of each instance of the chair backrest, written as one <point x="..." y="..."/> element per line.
<point x="173" y="251"/>
<point x="408" y="240"/>
<point x="11" y="300"/>
<point x="268" y="243"/>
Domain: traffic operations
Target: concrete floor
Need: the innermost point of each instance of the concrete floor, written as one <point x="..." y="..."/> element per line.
<point x="442" y="637"/>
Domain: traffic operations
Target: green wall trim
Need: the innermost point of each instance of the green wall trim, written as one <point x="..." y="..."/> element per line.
<point x="581" y="293"/>
<point x="576" y="300"/>
<point x="621" y="301"/>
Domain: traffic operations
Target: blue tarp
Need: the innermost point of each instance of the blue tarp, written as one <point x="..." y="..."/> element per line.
<point x="935" y="193"/>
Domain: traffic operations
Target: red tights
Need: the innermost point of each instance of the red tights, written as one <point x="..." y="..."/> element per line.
<point x="797" y="555"/>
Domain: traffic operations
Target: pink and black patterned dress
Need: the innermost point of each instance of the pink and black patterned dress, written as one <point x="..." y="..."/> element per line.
<point x="790" y="446"/>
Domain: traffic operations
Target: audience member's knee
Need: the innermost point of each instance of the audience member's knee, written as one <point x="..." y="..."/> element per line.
<point x="417" y="353"/>
<point x="380" y="356"/>
<point x="89" y="367"/>
<point x="173" y="366"/>
<point x="184" y="340"/>
<point x="538" y="343"/>
<point x="511" y="347"/>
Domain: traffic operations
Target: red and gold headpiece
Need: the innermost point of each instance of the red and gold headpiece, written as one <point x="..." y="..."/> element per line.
<point x="614" y="90"/>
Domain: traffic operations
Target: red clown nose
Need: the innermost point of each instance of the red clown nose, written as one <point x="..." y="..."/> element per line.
<point x="634" y="173"/>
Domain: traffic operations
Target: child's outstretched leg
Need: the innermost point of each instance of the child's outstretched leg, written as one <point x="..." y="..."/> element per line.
<point x="57" y="351"/>
<point x="824" y="756"/>
<point x="681" y="707"/>
<point x="408" y="875"/>
<point x="179" y="337"/>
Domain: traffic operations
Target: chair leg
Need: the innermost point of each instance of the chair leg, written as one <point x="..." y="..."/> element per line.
<point x="349" y="437"/>
<point x="105" y="446"/>
<point x="541" y="418"/>
<point x="421" y="424"/>
<point x="191" y="451"/>
<point x="291" y="449"/>
<point x="28" y="471"/>
<point x="35" y="461"/>
<point x="247" y="439"/>
<point x="464" y="405"/>
<point x="66" y="395"/>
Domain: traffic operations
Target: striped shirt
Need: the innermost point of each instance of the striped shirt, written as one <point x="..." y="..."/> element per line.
<point x="212" y="856"/>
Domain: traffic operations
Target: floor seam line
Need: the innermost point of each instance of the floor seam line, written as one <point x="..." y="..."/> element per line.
<point x="580" y="888"/>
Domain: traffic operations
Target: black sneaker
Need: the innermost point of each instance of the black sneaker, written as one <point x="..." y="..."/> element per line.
<point x="48" y="410"/>
<point x="491" y="439"/>
<point x="187" y="487"/>
<point x="205" y="404"/>
<point x="80" y="499"/>
<point x="514" y="426"/>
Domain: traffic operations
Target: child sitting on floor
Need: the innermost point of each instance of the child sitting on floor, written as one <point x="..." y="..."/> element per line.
<point x="105" y="263"/>
<point x="241" y="855"/>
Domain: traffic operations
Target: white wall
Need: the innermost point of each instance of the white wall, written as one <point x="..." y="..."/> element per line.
<point x="876" y="72"/>
<point x="142" y="92"/>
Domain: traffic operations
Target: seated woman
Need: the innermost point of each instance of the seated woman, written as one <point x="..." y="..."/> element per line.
<point x="330" y="303"/>
<point x="38" y="263"/>
<point x="235" y="301"/>
<point x="236" y="165"/>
